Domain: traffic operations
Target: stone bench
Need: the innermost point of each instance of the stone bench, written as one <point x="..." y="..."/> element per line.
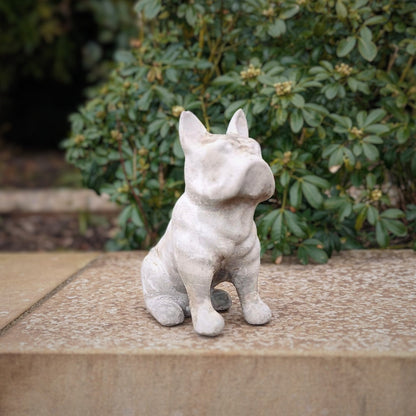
<point x="80" y="342"/>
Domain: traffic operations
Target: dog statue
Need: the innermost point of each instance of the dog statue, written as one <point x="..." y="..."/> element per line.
<point x="211" y="237"/>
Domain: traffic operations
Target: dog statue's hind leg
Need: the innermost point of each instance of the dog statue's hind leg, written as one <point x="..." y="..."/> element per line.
<point x="168" y="303"/>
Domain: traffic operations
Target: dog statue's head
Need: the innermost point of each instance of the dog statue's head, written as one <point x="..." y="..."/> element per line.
<point x="221" y="167"/>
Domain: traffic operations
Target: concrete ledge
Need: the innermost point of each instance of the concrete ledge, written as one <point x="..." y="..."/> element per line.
<point x="342" y="342"/>
<point x="206" y="384"/>
<point x="53" y="201"/>
<point x="25" y="278"/>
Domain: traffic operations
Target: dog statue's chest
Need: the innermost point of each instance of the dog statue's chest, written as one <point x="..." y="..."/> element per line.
<point x="228" y="229"/>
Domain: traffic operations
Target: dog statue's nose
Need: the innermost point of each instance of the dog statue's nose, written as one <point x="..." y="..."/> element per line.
<point x="258" y="181"/>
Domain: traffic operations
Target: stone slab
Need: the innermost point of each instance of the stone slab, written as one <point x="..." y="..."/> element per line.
<point x="27" y="277"/>
<point x="214" y="384"/>
<point x="54" y="200"/>
<point x="342" y="342"/>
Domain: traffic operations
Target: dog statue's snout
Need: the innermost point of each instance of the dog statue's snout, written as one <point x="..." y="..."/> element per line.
<point x="258" y="181"/>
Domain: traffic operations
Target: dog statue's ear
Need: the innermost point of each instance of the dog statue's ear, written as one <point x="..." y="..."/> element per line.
<point x="238" y="124"/>
<point x="191" y="131"/>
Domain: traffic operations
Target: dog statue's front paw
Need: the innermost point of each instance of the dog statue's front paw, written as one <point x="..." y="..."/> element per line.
<point x="257" y="312"/>
<point x="208" y="322"/>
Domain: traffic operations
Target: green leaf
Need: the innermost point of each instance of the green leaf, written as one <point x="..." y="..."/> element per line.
<point x="373" y="139"/>
<point x="382" y="237"/>
<point x="135" y="217"/>
<point x="371" y="180"/>
<point x="144" y="103"/>
<point x="150" y="8"/>
<point x="392" y="213"/>
<point x="317" y="181"/>
<point x="77" y="123"/>
<point x="337" y="157"/>
<point x="365" y="33"/>
<point x="267" y="221"/>
<point x="293" y="223"/>
<point x="277" y="28"/>
<point x="260" y="105"/>
<point x="377" y="128"/>
<point x="333" y="203"/>
<point x="346" y="46"/>
<point x="191" y="15"/>
<point x="370" y="151"/>
<point x="327" y="65"/>
<point x="312" y="194"/>
<point x="366" y="46"/>
<point x="374" y="116"/>
<point x="296" y="121"/>
<point x="331" y="91"/>
<point x="395" y="227"/>
<point x="172" y="75"/>
<point x="343" y="121"/>
<point x="361" y="116"/>
<point x="226" y="79"/>
<point x="345" y="210"/>
<point x="132" y="113"/>
<point x="155" y="126"/>
<point x="125" y="215"/>
<point x="376" y="20"/>
<point x="295" y="195"/>
<point x="403" y="133"/>
<point x="348" y="155"/>
<point x="165" y="95"/>
<point x="341" y="10"/>
<point x="302" y="255"/>
<point x="312" y="119"/>
<point x="353" y="84"/>
<point x="177" y="150"/>
<point x="359" y="222"/>
<point x="316" y="254"/>
<point x="289" y="12"/>
<point x="401" y="100"/>
<point x="277" y="228"/>
<point x="297" y="100"/>
<point x="285" y="178"/>
<point x="320" y="109"/>
<point x="311" y="242"/>
<point x="372" y="215"/>
<point x="233" y="107"/>
<point x="124" y="56"/>
<point x="357" y="148"/>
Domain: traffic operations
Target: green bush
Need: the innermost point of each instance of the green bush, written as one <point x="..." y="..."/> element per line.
<point x="329" y="91"/>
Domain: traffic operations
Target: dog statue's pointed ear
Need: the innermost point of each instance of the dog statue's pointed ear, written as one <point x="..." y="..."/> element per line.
<point x="191" y="131"/>
<point x="238" y="124"/>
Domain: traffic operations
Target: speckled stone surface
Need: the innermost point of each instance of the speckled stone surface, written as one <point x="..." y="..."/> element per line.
<point x="359" y="302"/>
<point x="27" y="277"/>
<point x="342" y="342"/>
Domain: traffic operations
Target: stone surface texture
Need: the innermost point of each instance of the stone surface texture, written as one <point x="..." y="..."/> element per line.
<point x="27" y="277"/>
<point x="342" y="341"/>
<point x="54" y="201"/>
<point x="211" y="237"/>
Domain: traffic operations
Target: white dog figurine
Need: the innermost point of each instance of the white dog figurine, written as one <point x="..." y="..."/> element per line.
<point x="211" y="237"/>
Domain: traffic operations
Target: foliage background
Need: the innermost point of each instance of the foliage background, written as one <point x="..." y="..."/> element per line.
<point x="50" y="51"/>
<point x="329" y="91"/>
